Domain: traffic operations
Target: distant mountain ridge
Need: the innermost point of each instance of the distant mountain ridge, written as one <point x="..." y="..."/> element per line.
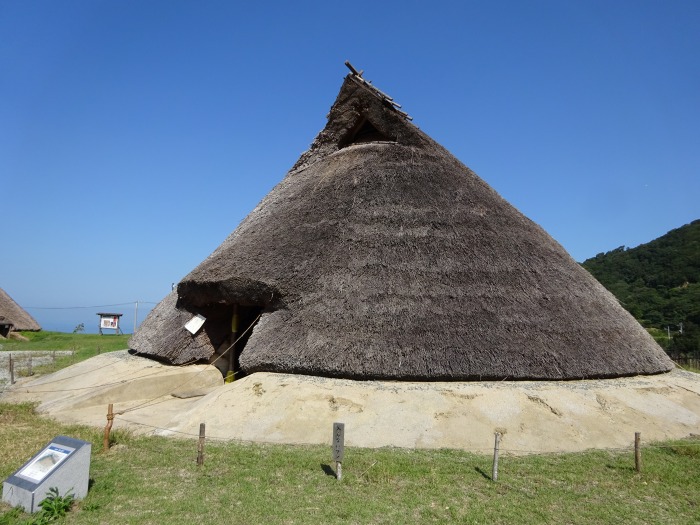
<point x="659" y="284"/>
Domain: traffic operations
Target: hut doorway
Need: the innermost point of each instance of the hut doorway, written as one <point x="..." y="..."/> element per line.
<point x="5" y="327"/>
<point x="234" y="324"/>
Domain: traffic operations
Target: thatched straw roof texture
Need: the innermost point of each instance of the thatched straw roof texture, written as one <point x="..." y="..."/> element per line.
<point x="380" y="255"/>
<point x="14" y="313"/>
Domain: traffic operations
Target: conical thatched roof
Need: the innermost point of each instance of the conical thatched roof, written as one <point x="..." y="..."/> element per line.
<point x="380" y="255"/>
<point x="12" y="312"/>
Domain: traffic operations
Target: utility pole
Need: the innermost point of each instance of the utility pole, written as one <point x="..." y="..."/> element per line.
<point x="136" y="314"/>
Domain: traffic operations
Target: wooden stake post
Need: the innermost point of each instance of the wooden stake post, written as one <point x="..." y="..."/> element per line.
<point x="338" y="448"/>
<point x="496" y="447"/>
<point x="108" y="428"/>
<point x="12" y="371"/>
<point x="638" y="451"/>
<point x="200" y="445"/>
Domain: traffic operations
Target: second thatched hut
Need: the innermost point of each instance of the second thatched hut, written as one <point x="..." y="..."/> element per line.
<point x="13" y="318"/>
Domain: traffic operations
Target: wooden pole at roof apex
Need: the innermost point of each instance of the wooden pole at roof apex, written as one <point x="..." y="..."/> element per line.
<point x="354" y="71"/>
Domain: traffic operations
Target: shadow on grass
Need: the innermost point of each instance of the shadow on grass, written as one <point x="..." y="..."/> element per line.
<point x="620" y="468"/>
<point x="481" y="471"/>
<point x="328" y="470"/>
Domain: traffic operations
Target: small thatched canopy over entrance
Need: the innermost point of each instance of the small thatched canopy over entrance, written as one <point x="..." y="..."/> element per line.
<point x="13" y="314"/>
<point x="380" y="255"/>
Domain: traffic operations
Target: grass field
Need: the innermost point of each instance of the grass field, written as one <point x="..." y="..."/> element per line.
<point x="154" y="480"/>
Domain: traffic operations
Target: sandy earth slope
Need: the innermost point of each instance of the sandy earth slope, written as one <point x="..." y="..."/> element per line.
<point x="533" y="416"/>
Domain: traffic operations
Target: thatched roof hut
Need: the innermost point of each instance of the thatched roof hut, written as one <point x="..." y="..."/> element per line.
<point x="380" y="255"/>
<point x="14" y="314"/>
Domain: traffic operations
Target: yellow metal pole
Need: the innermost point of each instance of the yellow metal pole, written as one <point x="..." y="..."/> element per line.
<point x="232" y="351"/>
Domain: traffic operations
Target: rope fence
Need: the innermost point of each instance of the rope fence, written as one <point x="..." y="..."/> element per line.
<point x="482" y="450"/>
<point x="199" y="439"/>
<point x="34" y="358"/>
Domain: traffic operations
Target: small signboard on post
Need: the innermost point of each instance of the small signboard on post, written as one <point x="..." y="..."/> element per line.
<point x="110" y="321"/>
<point x="338" y="448"/>
<point x="64" y="464"/>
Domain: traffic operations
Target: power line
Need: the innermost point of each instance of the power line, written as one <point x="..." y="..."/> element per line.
<point x="83" y="307"/>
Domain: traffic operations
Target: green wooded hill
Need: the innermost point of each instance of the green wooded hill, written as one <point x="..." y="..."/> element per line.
<point x="659" y="284"/>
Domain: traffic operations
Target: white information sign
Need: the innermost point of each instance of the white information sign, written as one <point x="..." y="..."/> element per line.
<point x="50" y="458"/>
<point x="111" y="322"/>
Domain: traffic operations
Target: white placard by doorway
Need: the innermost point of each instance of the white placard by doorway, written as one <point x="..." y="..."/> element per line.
<point x="194" y="324"/>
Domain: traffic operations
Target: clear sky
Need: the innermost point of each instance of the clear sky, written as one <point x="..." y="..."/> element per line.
<point x="136" y="135"/>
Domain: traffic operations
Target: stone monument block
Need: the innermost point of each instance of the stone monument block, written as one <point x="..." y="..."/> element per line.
<point x="64" y="463"/>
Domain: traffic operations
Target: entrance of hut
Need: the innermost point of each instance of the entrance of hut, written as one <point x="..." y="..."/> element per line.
<point x="234" y="324"/>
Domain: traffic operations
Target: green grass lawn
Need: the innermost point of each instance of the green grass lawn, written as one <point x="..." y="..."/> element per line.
<point x="153" y="480"/>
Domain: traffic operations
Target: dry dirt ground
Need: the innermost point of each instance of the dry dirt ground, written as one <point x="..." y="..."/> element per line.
<point x="533" y="416"/>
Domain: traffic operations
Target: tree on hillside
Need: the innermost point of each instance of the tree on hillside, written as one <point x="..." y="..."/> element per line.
<point x="659" y="284"/>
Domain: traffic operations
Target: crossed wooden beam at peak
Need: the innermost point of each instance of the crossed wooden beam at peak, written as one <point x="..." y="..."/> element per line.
<point x="358" y="76"/>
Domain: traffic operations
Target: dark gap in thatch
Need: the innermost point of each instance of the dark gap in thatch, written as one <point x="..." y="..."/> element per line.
<point x="5" y="327"/>
<point x="363" y="132"/>
<point x="229" y="338"/>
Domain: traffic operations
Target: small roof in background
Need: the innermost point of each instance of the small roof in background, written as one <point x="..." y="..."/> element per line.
<point x="15" y="314"/>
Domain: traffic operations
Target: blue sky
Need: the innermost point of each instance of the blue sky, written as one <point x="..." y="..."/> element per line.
<point x="136" y="135"/>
